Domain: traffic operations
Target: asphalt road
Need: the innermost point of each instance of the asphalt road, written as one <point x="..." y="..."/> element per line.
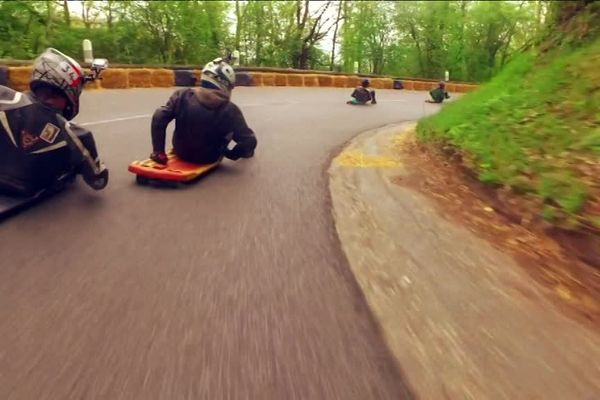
<point x="233" y="288"/>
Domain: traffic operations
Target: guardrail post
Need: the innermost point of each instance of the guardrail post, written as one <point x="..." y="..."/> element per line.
<point x="88" y="56"/>
<point x="236" y="58"/>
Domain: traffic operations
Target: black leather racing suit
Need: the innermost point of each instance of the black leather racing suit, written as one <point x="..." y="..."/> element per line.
<point x="38" y="145"/>
<point x="205" y="122"/>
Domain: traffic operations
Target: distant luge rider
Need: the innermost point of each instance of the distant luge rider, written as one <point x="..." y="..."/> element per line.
<point x="38" y="144"/>
<point x="362" y="94"/>
<point x="205" y="120"/>
<point x="438" y="94"/>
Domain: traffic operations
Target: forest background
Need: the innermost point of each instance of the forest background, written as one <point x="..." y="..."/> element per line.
<point x="471" y="39"/>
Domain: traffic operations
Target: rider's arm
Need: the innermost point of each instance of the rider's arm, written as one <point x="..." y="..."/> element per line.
<point x="84" y="156"/>
<point x="243" y="136"/>
<point x="161" y="118"/>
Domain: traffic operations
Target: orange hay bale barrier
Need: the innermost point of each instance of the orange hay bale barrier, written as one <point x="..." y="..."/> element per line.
<point x="408" y="85"/>
<point x="162" y="78"/>
<point x="115" y="79"/>
<point x="376" y="83"/>
<point x="387" y="83"/>
<point x="93" y="85"/>
<point x="18" y="78"/>
<point x="295" y="80"/>
<point x="468" y="88"/>
<point x="281" y="80"/>
<point x="311" y="80"/>
<point x="423" y="85"/>
<point x="256" y="78"/>
<point x="451" y="87"/>
<point x="353" y="81"/>
<point x="268" y="79"/>
<point x="325" y="80"/>
<point x="140" y="78"/>
<point x="198" y="75"/>
<point x="382" y="83"/>
<point x="340" y="81"/>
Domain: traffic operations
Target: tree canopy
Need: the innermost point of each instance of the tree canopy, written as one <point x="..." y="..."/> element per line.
<point x="471" y="39"/>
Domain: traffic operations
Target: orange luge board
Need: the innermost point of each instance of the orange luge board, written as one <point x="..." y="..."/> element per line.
<point x="176" y="170"/>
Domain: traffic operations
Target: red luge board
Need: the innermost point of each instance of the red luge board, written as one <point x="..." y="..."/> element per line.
<point x="175" y="170"/>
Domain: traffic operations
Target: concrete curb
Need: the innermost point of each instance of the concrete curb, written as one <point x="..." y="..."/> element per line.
<point x="462" y="318"/>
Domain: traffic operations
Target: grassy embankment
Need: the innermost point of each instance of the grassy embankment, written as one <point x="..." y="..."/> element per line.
<point x="536" y="126"/>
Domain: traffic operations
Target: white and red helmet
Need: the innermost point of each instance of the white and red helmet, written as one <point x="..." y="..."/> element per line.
<point x="220" y="74"/>
<point x="55" y="69"/>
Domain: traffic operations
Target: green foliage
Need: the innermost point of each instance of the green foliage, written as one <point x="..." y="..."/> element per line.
<point x="366" y="35"/>
<point x="284" y="33"/>
<point x="535" y="126"/>
<point x="123" y="31"/>
<point x="470" y="39"/>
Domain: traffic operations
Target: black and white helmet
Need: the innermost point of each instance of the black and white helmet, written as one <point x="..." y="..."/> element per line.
<point x="220" y="74"/>
<point x="55" y="69"/>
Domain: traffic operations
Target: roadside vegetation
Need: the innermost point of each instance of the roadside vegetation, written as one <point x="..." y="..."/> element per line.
<point x="535" y="127"/>
<point x="470" y="39"/>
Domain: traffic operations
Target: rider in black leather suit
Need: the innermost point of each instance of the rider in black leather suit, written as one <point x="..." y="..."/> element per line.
<point x="38" y="144"/>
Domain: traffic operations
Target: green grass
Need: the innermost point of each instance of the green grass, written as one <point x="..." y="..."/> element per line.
<point x="535" y="127"/>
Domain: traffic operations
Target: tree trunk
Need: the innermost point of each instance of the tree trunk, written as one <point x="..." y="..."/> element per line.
<point x="335" y="31"/>
<point x="565" y="10"/>
<point x="461" y="57"/>
<point x="539" y="17"/>
<point x="413" y="34"/>
<point x="259" y="35"/>
<point x="49" y="16"/>
<point x="109" y="16"/>
<point x="214" y="34"/>
<point x="85" y="13"/>
<point x="238" y="24"/>
<point x="67" y="13"/>
<point x="302" y="62"/>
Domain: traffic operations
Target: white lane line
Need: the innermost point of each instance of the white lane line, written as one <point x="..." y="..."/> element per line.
<point x="108" y="121"/>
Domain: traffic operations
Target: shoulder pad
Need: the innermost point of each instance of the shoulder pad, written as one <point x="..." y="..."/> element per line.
<point x="11" y="99"/>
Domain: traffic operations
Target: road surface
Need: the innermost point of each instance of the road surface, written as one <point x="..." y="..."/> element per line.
<point x="233" y="288"/>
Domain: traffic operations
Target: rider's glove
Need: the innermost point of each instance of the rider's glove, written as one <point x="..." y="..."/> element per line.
<point x="99" y="180"/>
<point x="231" y="154"/>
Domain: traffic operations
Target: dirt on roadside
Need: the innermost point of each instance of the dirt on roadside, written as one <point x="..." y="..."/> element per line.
<point x="562" y="262"/>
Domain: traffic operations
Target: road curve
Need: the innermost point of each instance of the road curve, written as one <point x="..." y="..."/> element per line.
<point x="465" y="320"/>
<point x="233" y="288"/>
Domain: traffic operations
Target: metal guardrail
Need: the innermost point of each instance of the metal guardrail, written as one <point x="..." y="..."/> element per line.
<point x="11" y="62"/>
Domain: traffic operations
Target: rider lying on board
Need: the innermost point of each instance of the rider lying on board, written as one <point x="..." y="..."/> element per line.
<point x="205" y="121"/>
<point x="362" y="95"/>
<point x="38" y="144"/>
<point x="438" y="94"/>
